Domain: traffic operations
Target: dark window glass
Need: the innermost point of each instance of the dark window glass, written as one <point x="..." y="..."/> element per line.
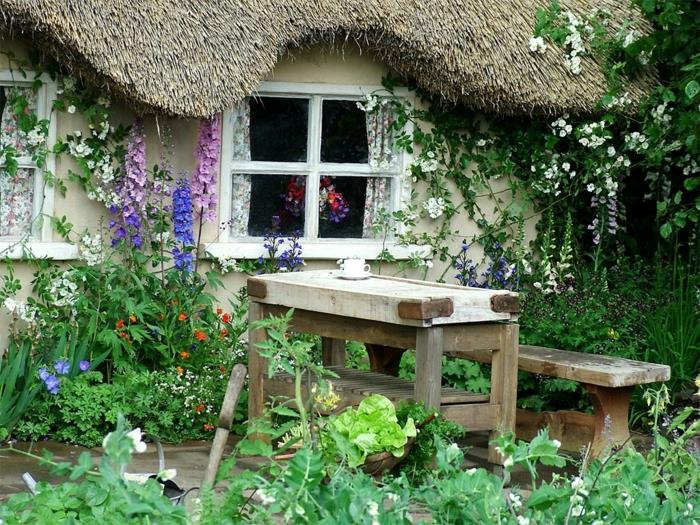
<point x="342" y="205"/>
<point x="278" y="129"/>
<point x="276" y="202"/>
<point x="344" y="132"/>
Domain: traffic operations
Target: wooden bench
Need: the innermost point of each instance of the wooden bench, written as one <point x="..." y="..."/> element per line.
<point x="609" y="382"/>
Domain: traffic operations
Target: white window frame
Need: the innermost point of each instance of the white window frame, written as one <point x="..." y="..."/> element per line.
<point x="38" y="242"/>
<point x="313" y="246"/>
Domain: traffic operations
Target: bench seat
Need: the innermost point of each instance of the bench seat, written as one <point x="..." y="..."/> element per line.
<point x="609" y="382"/>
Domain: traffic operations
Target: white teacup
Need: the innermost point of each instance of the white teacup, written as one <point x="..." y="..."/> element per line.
<point x="354" y="267"/>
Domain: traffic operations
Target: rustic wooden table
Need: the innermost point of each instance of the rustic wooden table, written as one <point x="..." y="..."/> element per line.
<point x="388" y="314"/>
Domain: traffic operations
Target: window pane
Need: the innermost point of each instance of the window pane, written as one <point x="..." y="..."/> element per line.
<point x="348" y="206"/>
<point x="278" y="129"/>
<point x="276" y="201"/>
<point x="344" y="132"/>
<point x="16" y="202"/>
<point x="10" y="134"/>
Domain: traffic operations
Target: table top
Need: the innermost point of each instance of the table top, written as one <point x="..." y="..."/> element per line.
<point x="385" y="299"/>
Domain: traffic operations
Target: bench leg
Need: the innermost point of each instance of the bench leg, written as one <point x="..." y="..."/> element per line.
<point x="332" y="352"/>
<point x="428" y="385"/>
<point x="384" y="359"/>
<point x="256" y="366"/>
<point x="611" y="409"/>
<point x="504" y="385"/>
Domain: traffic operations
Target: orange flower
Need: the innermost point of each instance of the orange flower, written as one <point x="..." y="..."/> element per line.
<point x="226" y="318"/>
<point x="132" y="318"/>
<point x="199" y="408"/>
<point x="199" y="335"/>
<point x="120" y="324"/>
<point x="182" y="317"/>
<point x="222" y="368"/>
<point x="223" y="333"/>
<point x="179" y="370"/>
<point x="218" y="311"/>
<point x="184" y="355"/>
<point x="207" y="426"/>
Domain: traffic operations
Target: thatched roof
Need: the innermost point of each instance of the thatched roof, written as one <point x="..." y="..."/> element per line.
<point x="196" y="57"/>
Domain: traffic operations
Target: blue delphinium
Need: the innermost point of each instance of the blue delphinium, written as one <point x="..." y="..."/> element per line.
<point x="468" y="273"/>
<point x="61" y="366"/>
<point x="51" y="382"/>
<point x="290" y="259"/>
<point x="182" y="225"/>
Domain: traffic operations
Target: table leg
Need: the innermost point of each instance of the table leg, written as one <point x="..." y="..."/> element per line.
<point x="256" y="363"/>
<point x="332" y="352"/>
<point x="428" y="384"/>
<point x="504" y="384"/>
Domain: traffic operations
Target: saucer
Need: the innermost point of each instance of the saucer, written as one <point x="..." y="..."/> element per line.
<point x="355" y="277"/>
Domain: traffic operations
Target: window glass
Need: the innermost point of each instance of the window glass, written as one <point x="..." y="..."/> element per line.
<point x="348" y="206"/>
<point x="343" y="132"/>
<point x="276" y="202"/>
<point x="279" y="129"/>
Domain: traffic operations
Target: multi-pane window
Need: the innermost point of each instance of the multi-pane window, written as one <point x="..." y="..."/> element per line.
<point x="314" y="163"/>
<point x="17" y="191"/>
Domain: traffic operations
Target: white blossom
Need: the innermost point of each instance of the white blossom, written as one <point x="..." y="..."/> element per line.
<point x="435" y="207"/>
<point x="136" y="437"/>
<point x="537" y="44"/>
<point x="71" y="109"/>
<point x="91" y="249"/>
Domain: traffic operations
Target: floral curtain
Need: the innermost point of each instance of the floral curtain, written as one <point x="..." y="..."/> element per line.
<point x="10" y="135"/>
<point x="382" y="156"/>
<point x="16" y="202"/>
<point x="240" y="205"/>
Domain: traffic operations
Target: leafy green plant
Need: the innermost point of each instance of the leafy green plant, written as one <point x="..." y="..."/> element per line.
<point x="371" y="428"/>
<point x="94" y="496"/>
<point x="18" y="385"/>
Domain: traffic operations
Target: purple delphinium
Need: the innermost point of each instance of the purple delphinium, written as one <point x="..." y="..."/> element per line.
<point x="131" y="190"/>
<point x="183" y="260"/>
<point x="61" y="366"/>
<point x="84" y="365"/>
<point x="499" y="274"/>
<point x="204" y="177"/>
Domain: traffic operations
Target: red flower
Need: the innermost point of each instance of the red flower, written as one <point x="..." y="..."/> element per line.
<point x="218" y="311"/>
<point x="120" y="324"/>
<point x="182" y="317"/>
<point x="207" y="426"/>
<point x="223" y="333"/>
<point x="199" y="335"/>
<point x="222" y="369"/>
<point x="199" y="408"/>
<point x="124" y="335"/>
<point x="226" y="318"/>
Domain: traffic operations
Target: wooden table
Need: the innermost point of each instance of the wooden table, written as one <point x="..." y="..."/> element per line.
<point x="390" y="313"/>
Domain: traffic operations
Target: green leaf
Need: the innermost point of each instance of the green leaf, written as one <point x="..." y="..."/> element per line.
<point x="692" y="88"/>
<point x="665" y="230"/>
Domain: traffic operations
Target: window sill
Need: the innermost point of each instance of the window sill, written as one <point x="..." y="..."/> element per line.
<point x="57" y="251"/>
<point x="330" y="250"/>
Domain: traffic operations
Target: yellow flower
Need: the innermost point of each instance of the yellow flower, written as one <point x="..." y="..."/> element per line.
<point x="612" y="334"/>
<point x="328" y="400"/>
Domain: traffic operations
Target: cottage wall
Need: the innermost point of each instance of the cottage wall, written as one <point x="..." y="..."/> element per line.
<point x="314" y="65"/>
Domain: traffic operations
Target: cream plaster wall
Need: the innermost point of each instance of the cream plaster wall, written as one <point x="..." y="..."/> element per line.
<point x="315" y="65"/>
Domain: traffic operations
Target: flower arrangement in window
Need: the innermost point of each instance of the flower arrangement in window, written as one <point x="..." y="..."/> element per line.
<point x="332" y="204"/>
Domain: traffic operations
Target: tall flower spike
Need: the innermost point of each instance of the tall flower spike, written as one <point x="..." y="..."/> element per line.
<point x="132" y="188"/>
<point x="205" y="174"/>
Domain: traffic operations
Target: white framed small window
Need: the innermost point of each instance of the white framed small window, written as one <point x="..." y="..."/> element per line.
<point x="24" y="197"/>
<point x="304" y="157"/>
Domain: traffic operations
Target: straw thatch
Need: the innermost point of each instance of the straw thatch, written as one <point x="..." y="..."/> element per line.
<point x="196" y="57"/>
